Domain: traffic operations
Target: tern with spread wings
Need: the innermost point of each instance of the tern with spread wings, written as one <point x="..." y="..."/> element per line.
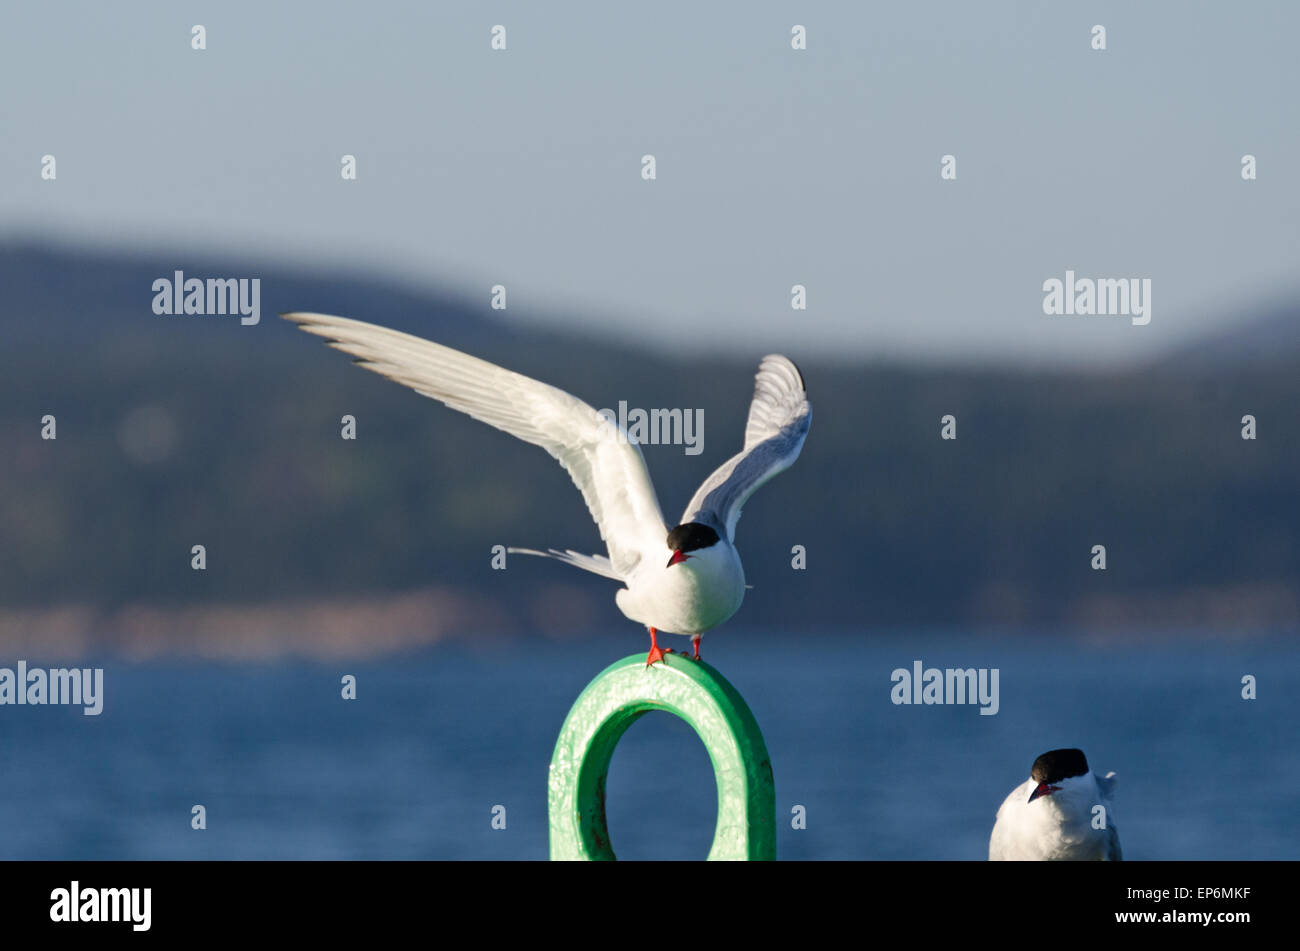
<point x="684" y="579"/>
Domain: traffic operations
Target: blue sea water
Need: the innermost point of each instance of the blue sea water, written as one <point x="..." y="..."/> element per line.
<point x="412" y="769"/>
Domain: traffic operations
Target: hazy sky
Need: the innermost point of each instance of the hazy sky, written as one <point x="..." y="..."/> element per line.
<point x="775" y="167"/>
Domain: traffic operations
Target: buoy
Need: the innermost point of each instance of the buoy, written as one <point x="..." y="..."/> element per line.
<point x="694" y="691"/>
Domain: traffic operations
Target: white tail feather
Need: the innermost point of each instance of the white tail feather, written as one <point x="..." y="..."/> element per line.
<point x="596" y="564"/>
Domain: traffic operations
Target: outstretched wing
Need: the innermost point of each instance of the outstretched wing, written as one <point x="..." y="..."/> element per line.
<point x="608" y="470"/>
<point x="779" y="418"/>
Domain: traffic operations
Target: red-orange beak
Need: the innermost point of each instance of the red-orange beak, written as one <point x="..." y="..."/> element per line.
<point x="676" y="559"/>
<point x="1043" y="789"/>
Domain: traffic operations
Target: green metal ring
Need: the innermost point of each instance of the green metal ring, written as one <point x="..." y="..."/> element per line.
<point x="694" y="691"/>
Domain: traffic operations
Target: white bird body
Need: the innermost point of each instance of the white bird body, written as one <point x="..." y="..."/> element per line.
<point x="692" y="597"/>
<point x="1034" y="825"/>
<point x="682" y="580"/>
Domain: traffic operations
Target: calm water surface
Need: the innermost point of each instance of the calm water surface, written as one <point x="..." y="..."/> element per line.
<point x="413" y="768"/>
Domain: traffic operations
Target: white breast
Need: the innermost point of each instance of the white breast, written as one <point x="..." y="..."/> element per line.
<point x="687" y="598"/>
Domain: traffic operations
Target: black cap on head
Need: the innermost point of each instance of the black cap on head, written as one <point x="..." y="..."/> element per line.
<point x="1057" y="765"/>
<point x="691" y="536"/>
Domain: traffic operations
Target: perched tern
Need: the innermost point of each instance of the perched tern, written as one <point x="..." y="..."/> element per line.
<point x="1053" y="814"/>
<point x="682" y="579"/>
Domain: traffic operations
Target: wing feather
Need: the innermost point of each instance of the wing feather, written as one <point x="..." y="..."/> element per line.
<point x="779" y="417"/>
<point x="609" y="471"/>
<point x="1108" y="784"/>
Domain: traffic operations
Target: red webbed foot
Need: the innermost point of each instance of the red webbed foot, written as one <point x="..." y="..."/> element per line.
<point x="656" y="652"/>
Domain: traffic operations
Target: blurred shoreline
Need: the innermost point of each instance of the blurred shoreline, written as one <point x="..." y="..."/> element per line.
<point x="148" y="438"/>
<point x="386" y="624"/>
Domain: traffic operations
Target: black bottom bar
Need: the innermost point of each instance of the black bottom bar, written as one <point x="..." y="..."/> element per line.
<point x="1034" y="903"/>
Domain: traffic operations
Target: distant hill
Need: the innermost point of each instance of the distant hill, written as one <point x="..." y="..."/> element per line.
<point x="175" y="431"/>
<point x="67" y="293"/>
<point x="1270" y="339"/>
